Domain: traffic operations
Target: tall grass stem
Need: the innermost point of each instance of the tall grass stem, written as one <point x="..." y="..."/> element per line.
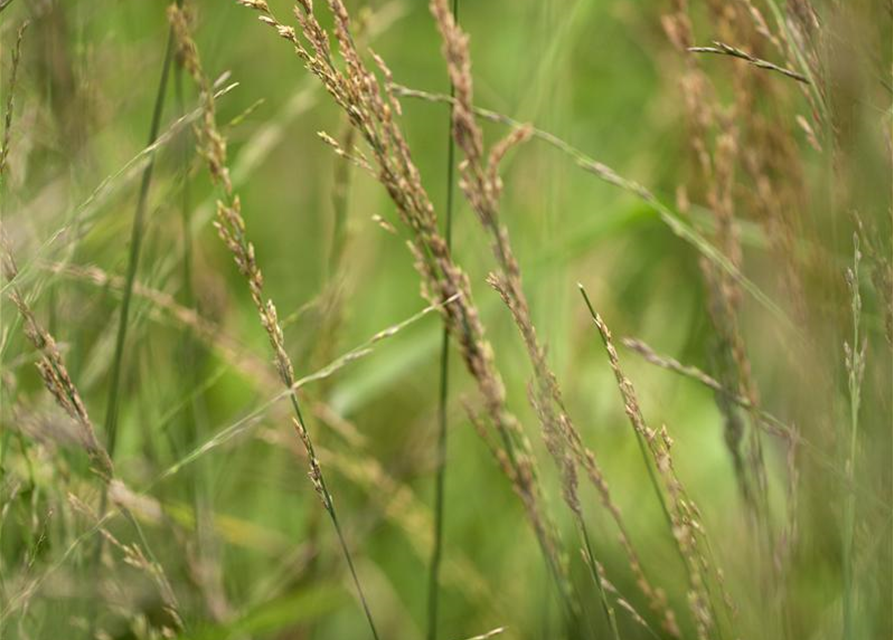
<point x="443" y="399"/>
<point x="136" y="238"/>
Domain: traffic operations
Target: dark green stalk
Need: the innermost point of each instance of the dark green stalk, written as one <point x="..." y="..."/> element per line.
<point x="136" y="237"/>
<point x="188" y="294"/>
<point x="111" y="417"/>
<point x="443" y="401"/>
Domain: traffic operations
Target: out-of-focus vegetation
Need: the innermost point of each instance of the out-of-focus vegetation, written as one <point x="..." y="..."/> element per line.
<point x="720" y="470"/>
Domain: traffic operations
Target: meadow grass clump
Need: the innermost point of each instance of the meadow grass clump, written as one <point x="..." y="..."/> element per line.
<point x="715" y="175"/>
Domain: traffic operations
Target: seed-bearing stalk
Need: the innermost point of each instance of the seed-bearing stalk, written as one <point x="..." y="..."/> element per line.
<point x="443" y="399"/>
<point x="230" y="226"/>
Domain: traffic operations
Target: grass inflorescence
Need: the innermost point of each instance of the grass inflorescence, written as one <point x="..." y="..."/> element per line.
<point x="724" y="474"/>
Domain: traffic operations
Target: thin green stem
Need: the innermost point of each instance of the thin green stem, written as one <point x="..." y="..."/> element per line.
<point x="329" y="505"/>
<point x="443" y="401"/>
<point x="112" y="408"/>
<point x="136" y="237"/>
<point x="593" y="570"/>
<point x="648" y="460"/>
<point x="854" y="365"/>
<point x="188" y="293"/>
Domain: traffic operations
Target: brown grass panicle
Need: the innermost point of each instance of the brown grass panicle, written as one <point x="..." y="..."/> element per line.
<point x="682" y="514"/>
<point x="54" y="373"/>
<point x="715" y="141"/>
<point x="231" y="228"/>
<point x="229" y="223"/>
<point x="482" y="187"/>
<point x="372" y="109"/>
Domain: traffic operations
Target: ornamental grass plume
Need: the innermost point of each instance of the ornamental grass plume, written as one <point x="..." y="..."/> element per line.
<point x="230" y="227"/>
<point x="682" y="514"/>
<point x="482" y="186"/>
<point x="372" y="108"/>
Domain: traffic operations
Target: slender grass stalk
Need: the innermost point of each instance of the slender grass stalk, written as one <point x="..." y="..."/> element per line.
<point x="190" y="346"/>
<point x="136" y="239"/>
<point x="326" y="496"/>
<point x="208" y="574"/>
<point x="188" y="293"/>
<point x="482" y="188"/>
<point x="681" y="514"/>
<point x="721" y="48"/>
<point x="855" y="366"/>
<point x="592" y="563"/>
<point x="443" y="398"/>
<point x="231" y="228"/>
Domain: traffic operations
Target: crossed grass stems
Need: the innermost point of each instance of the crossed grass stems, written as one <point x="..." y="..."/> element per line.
<point x="371" y="108"/>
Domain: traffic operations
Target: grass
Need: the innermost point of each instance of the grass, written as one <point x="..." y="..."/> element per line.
<point x="231" y="228"/>
<point x="855" y="367"/>
<point x="255" y="477"/>
<point x="443" y="397"/>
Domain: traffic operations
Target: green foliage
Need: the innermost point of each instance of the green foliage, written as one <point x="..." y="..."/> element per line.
<point x="707" y="200"/>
